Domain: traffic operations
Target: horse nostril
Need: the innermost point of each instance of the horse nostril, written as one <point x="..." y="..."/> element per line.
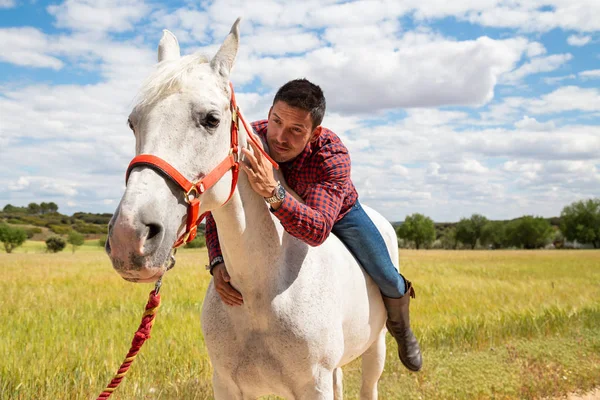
<point x="153" y="230"/>
<point x="153" y="238"/>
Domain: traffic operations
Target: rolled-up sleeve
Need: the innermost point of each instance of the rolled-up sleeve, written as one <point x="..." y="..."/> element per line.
<point x="312" y="221"/>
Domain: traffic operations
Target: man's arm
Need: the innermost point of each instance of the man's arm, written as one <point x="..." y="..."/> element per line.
<point x="312" y="221"/>
<point x="228" y="294"/>
<point x="212" y="242"/>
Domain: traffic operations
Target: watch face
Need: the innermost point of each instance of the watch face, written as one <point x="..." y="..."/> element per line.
<point x="280" y="192"/>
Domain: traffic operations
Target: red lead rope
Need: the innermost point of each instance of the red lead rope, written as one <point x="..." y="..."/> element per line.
<point x="141" y="335"/>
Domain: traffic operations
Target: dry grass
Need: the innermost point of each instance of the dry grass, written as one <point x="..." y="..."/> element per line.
<point x="493" y="325"/>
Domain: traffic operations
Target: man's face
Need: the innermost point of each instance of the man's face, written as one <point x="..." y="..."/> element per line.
<point x="288" y="131"/>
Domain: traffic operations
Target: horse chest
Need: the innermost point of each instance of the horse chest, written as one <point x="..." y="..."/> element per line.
<point x="261" y="334"/>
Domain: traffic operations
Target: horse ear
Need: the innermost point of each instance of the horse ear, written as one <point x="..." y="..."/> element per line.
<point x="168" y="48"/>
<point x="223" y="60"/>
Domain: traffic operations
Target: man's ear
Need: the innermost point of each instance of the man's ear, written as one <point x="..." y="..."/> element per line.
<point x="316" y="133"/>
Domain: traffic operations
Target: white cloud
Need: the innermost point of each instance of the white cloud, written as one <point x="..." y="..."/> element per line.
<point x="468" y="166"/>
<point x="98" y="15"/>
<point x="21" y="184"/>
<point x="566" y="98"/>
<point x="557" y="174"/>
<point x="535" y="66"/>
<point x="578" y="41"/>
<point x="594" y="73"/>
<point x="535" y="49"/>
<point x="532" y="124"/>
<point x="556" y="79"/>
<point x="189" y="25"/>
<point x="433" y="117"/>
<point x="7" y="3"/>
<point x="529" y="16"/>
<point x="44" y="185"/>
<point x="27" y="47"/>
<point x="281" y="41"/>
<point x="366" y="79"/>
<point x="400" y="170"/>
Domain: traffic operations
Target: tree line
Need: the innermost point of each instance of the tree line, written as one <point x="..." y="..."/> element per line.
<point x="33" y="208"/>
<point x="579" y="221"/>
<point x="17" y="224"/>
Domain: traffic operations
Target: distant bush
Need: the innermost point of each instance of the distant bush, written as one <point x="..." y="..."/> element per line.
<point x="98" y="219"/>
<point x="34" y="220"/>
<point x="102" y="240"/>
<point x="16" y="221"/>
<point x="32" y="231"/>
<point x="60" y="229"/>
<point x="11" y="237"/>
<point x="75" y="239"/>
<point x="197" y="243"/>
<point x="90" y="228"/>
<point x="54" y="244"/>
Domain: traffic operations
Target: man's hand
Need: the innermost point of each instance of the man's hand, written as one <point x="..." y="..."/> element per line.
<point x="259" y="170"/>
<point x="228" y="294"/>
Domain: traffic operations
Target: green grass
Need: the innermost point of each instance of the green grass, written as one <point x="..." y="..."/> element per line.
<point x="492" y="325"/>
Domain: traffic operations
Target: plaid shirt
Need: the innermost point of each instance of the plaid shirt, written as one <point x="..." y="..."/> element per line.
<point x="321" y="176"/>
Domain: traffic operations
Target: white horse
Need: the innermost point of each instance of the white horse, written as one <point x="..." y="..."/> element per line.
<point x="307" y="310"/>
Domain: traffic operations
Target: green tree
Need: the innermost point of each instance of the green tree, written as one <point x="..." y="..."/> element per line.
<point x="44" y="207"/>
<point x="52" y="207"/>
<point x="198" y="243"/>
<point x="75" y="239"/>
<point x="419" y="229"/>
<point x="12" y="237"/>
<point x="581" y="221"/>
<point x="494" y="234"/>
<point x="54" y="244"/>
<point x="448" y="238"/>
<point x="33" y="208"/>
<point x="468" y="230"/>
<point x="10" y="208"/>
<point x="529" y="232"/>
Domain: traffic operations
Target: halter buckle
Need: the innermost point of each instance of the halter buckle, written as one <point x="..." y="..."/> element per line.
<point x="198" y="189"/>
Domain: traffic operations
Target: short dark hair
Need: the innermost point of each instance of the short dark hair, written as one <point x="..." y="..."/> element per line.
<point x="303" y="94"/>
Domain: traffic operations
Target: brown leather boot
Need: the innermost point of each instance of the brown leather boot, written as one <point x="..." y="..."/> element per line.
<point x="398" y="324"/>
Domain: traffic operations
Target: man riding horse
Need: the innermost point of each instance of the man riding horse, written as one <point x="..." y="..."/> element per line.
<point x="316" y="165"/>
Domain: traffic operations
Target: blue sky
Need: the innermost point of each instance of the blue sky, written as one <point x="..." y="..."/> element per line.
<point x="448" y="108"/>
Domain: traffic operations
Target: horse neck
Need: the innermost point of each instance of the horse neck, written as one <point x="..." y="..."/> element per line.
<point x="250" y="238"/>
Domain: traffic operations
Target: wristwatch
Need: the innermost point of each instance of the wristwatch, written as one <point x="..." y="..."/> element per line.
<point x="279" y="194"/>
<point x="213" y="263"/>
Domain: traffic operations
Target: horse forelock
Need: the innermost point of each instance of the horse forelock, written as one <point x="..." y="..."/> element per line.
<point x="168" y="77"/>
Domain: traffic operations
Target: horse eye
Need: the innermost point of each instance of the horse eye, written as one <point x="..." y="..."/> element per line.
<point x="130" y="124"/>
<point x="211" y="121"/>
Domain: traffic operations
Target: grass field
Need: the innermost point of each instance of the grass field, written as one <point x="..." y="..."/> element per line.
<point x="492" y="325"/>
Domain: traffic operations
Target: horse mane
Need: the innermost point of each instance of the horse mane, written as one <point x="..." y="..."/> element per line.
<point x="168" y="77"/>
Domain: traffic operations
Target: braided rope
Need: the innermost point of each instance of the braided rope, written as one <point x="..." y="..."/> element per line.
<point x="141" y="335"/>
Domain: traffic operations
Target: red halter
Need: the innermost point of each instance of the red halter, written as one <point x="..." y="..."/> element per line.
<point x="206" y="182"/>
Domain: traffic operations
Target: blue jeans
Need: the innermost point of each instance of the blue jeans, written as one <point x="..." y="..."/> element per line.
<point x="361" y="237"/>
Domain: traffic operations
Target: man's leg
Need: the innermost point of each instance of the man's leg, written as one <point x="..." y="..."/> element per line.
<point x="361" y="236"/>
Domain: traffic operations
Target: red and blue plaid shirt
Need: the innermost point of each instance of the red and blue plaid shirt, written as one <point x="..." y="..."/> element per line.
<point x="321" y="176"/>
